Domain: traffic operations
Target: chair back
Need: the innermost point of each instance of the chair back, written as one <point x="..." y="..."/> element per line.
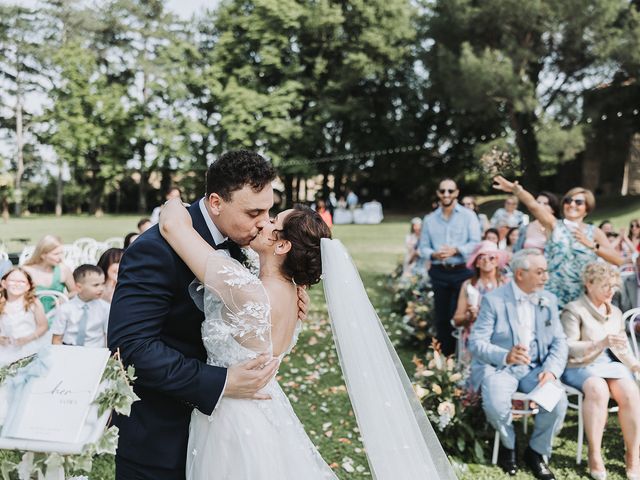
<point x="629" y="318"/>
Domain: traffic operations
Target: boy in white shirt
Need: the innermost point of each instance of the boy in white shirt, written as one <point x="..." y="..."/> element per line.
<point x="82" y="321"/>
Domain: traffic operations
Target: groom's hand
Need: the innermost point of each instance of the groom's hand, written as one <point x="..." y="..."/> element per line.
<point x="245" y="379"/>
<point x="303" y="303"/>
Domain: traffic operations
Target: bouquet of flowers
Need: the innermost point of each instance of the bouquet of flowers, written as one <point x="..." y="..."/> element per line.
<point x="451" y="406"/>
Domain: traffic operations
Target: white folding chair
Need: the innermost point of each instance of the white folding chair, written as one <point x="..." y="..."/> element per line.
<point x="570" y="391"/>
<point x="115" y="242"/>
<point x="526" y="412"/>
<point x="27" y="251"/>
<point x="58" y="297"/>
<point x="629" y="318"/>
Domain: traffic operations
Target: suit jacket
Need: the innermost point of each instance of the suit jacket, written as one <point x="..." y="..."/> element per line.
<point x="495" y="332"/>
<point x="156" y="326"/>
<point x="627" y="298"/>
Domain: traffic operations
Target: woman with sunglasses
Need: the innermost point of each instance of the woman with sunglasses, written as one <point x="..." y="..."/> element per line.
<point x="634" y="233"/>
<point x="487" y="262"/>
<point x="571" y="243"/>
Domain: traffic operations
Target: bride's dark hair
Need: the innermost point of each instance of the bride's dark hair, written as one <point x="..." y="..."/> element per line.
<point x="303" y="228"/>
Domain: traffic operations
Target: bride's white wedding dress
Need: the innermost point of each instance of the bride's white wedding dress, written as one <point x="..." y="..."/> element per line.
<point x="245" y="439"/>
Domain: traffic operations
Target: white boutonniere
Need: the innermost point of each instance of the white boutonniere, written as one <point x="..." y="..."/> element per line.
<point x="543" y="302"/>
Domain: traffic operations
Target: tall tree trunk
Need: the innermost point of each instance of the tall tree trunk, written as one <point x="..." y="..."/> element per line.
<point x="19" y="155"/>
<point x="295" y="190"/>
<point x="59" y="190"/>
<point x="288" y="190"/>
<point x="523" y="123"/>
<point x="5" y="210"/>
<point x="305" y="191"/>
<point x="144" y="180"/>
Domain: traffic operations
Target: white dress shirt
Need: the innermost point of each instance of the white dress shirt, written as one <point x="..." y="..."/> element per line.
<point x="68" y="317"/>
<point x="526" y="316"/>
<point x="215" y="233"/>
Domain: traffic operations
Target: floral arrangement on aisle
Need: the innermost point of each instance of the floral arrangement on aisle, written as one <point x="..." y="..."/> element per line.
<point x="453" y="408"/>
<point x="413" y="302"/>
<point x="117" y="394"/>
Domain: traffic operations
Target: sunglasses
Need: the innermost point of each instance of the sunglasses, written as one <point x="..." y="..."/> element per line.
<point x="634" y="225"/>
<point x="489" y="258"/>
<point x="442" y="191"/>
<point x="578" y="201"/>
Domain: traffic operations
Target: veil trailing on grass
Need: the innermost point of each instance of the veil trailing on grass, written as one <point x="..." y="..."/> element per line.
<point x="398" y="438"/>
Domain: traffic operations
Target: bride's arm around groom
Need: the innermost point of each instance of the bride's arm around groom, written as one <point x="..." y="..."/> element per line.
<point x="156" y="326"/>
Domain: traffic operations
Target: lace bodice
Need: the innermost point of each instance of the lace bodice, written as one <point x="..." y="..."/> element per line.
<point x="237" y="324"/>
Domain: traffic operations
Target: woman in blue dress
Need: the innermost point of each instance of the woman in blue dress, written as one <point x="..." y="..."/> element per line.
<point x="571" y="242"/>
<point x="601" y="364"/>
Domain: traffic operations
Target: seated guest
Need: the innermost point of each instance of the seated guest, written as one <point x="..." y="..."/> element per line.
<point x="486" y="262"/>
<point x="508" y="217"/>
<point x="130" y="238"/>
<point x="492" y="235"/>
<point x="82" y="321"/>
<point x="511" y="239"/>
<point x="469" y="201"/>
<point x="144" y="224"/>
<point x="517" y="343"/>
<point x="601" y="364"/>
<point x="627" y="298"/>
<point x="109" y="262"/>
<point x="411" y="254"/>
<point x="48" y="270"/>
<point x="534" y="235"/>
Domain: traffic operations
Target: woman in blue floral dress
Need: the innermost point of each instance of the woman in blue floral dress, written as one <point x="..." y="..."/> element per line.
<point x="571" y="243"/>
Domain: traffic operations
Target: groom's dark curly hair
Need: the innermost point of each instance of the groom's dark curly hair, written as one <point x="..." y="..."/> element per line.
<point x="237" y="168"/>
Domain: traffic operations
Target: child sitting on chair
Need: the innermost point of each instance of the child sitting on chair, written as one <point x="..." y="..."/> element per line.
<point x="82" y="321"/>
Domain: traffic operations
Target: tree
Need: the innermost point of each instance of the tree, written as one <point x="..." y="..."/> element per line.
<point x="87" y="121"/>
<point x="21" y="74"/>
<point x="508" y="69"/>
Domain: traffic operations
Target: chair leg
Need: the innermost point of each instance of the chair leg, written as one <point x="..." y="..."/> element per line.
<point x="580" y="431"/>
<point x="496" y="446"/>
<point x="525" y="423"/>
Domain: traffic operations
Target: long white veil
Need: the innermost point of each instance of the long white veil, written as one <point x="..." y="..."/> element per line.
<point x="398" y="438"/>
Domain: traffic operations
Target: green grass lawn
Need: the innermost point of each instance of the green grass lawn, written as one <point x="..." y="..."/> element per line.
<point x="311" y="375"/>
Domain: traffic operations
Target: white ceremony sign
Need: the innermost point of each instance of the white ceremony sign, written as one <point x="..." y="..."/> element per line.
<point x="54" y="407"/>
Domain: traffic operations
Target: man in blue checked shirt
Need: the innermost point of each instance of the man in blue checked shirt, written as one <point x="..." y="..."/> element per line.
<point x="449" y="235"/>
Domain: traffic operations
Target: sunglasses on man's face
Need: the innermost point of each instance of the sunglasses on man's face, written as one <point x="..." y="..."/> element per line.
<point x="442" y="191"/>
<point x="578" y="201"/>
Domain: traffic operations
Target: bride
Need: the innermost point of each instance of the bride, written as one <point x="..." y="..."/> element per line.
<point x="247" y="315"/>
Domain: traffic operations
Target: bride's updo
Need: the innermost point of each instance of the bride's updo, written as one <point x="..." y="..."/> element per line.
<point x="304" y="228"/>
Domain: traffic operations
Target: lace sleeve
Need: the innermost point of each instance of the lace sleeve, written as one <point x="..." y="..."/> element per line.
<point x="244" y="307"/>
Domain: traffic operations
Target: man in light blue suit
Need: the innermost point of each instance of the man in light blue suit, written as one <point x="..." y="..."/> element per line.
<point x="517" y="343"/>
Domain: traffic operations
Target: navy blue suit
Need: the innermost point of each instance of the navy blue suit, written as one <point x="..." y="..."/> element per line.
<point x="156" y="325"/>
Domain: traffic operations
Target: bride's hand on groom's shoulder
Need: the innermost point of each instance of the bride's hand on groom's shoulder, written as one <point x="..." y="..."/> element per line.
<point x="173" y="216"/>
<point x="245" y="379"/>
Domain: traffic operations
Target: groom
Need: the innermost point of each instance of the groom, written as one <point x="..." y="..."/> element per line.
<point x="156" y="325"/>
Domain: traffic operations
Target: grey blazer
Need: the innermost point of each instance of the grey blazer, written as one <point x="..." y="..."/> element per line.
<point x="495" y="332"/>
<point x="628" y="296"/>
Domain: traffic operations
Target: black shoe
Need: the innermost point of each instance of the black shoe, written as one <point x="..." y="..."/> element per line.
<point x="508" y="461"/>
<point x="538" y="466"/>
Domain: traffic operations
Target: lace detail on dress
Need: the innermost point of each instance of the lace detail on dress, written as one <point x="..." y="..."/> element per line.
<point x="237" y="312"/>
